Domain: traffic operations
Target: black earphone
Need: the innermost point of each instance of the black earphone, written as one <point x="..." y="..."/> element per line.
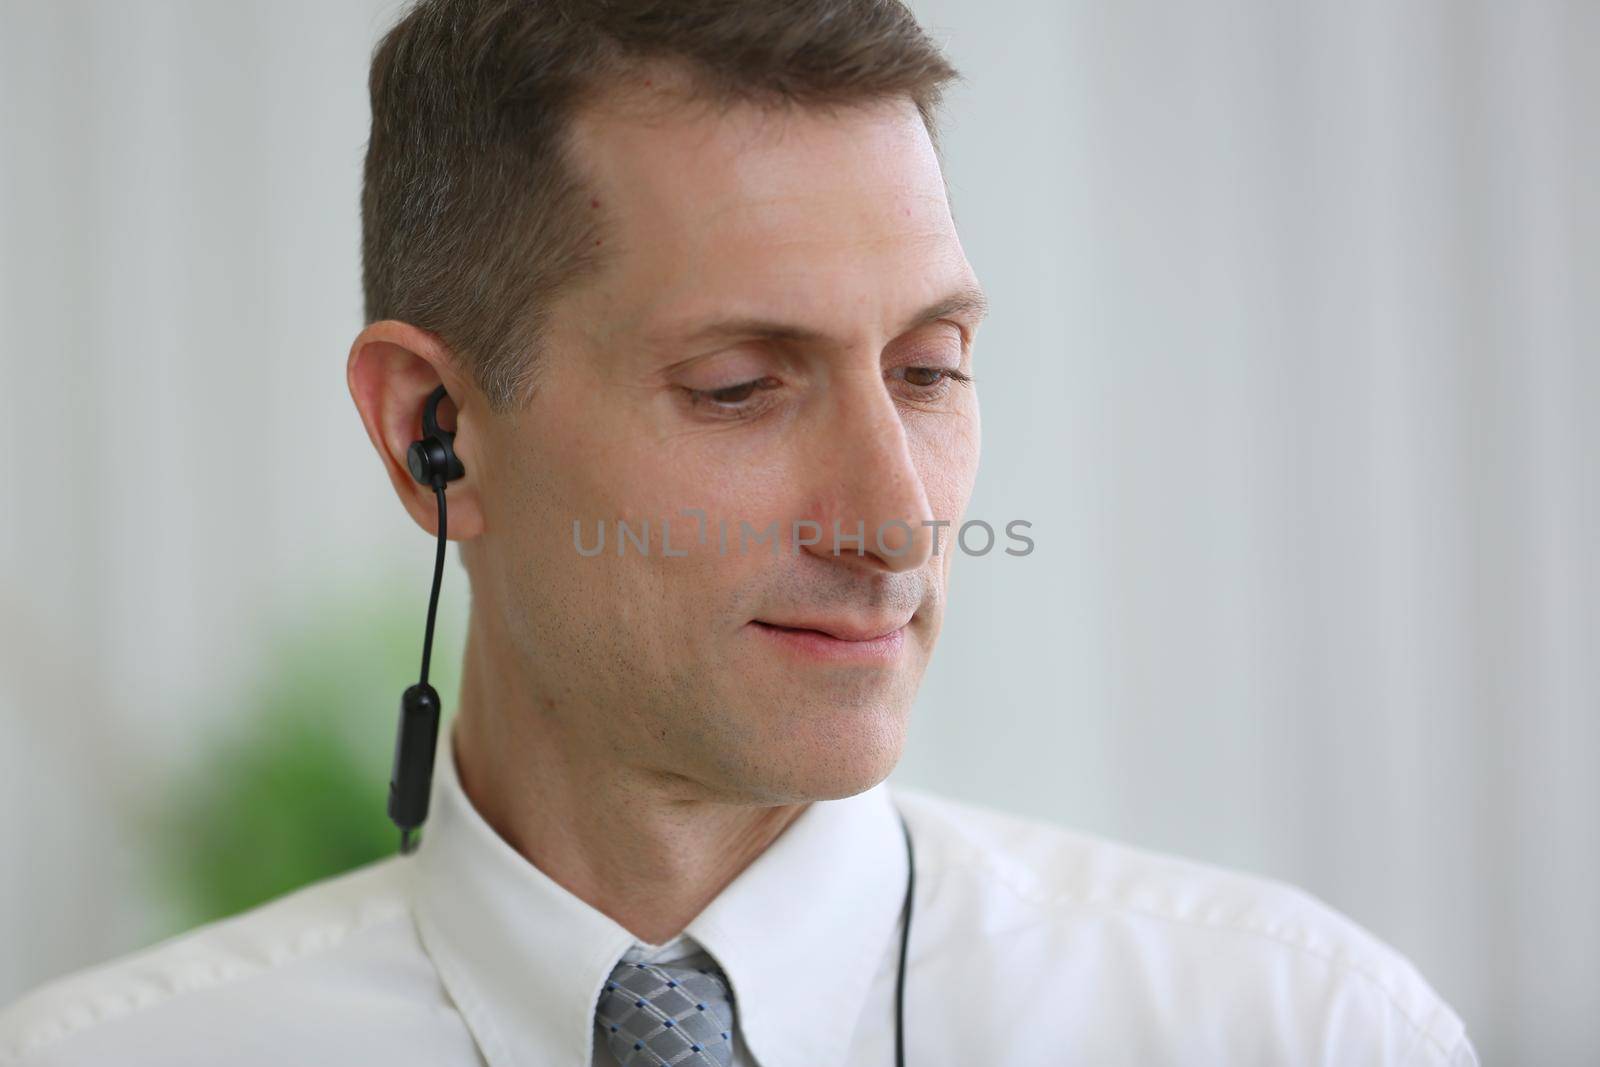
<point x="432" y="460"/>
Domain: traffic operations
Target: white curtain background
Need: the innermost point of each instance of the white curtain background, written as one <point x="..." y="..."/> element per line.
<point x="1293" y="367"/>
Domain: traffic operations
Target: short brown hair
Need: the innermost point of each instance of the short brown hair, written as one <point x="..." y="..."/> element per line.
<point x="472" y="213"/>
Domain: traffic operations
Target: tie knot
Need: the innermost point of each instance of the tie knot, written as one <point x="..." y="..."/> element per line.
<point x="667" y="1013"/>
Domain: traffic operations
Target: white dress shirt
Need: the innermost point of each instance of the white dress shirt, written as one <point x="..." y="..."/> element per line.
<point x="1030" y="944"/>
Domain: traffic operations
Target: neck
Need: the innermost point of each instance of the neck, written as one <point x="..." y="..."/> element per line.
<point x="646" y="847"/>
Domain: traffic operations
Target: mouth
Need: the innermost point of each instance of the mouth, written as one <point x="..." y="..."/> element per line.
<point x="839" y="630"/>
<point x="837" y="640"/>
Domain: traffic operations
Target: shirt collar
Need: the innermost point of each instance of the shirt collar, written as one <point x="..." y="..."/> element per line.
<point x="800" y="933"/>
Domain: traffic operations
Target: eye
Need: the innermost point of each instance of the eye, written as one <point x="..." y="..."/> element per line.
<point x="732" y="400"/>
<point x="932" y="381"/>
<point x="745" y="399"/>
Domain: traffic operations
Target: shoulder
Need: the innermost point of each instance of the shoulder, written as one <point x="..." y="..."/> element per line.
<point x="1225" y="945"/>
<point x="332" y="960"/>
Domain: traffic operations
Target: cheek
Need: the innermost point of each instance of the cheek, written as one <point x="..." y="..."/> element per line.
<point x="946" y="454"/>
<point x="689" y="497"/>
<point x="697" y="481"/>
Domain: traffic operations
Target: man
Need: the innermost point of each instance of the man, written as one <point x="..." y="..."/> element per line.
<point x="688" y="267"/>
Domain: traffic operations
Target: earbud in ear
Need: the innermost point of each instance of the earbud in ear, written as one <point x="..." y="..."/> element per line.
<point x="432" y="459"/>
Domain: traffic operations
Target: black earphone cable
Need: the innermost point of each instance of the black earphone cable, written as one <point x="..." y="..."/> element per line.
<point x="905" y="939"/>
<point x="433" y="598"/>
<point x="422" y="694"/>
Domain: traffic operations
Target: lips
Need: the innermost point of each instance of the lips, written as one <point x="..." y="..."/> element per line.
<point x="842" y="630"/>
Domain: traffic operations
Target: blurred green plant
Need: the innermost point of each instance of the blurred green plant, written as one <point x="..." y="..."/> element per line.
<point x="293" y="786"/>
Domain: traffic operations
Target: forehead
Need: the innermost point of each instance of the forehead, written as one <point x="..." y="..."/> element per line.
<point x="809" y="214"/>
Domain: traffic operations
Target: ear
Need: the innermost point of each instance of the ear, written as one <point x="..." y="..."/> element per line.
<point x="392" y="369"/>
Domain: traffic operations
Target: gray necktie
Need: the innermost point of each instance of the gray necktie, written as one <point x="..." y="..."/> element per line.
<point x="667" y="1013"/>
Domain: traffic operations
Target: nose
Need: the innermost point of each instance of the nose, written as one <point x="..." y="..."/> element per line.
<point x="868" y="495"/>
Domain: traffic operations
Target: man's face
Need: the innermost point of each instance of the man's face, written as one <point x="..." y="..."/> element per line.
<point x="836" y="225"/>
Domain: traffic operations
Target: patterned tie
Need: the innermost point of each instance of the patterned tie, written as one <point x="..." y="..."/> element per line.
<point x="667" y="1013"/>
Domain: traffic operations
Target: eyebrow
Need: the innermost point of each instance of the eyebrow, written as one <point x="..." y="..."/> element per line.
<point x="969" y="300"/>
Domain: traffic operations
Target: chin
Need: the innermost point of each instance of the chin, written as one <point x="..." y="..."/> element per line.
<point x="831" y="758"/>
